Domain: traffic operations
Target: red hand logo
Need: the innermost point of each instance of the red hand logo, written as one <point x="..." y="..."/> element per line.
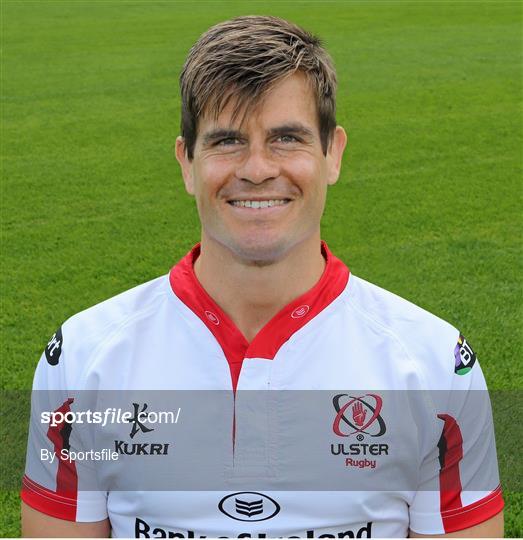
<point x="358" y="414"/>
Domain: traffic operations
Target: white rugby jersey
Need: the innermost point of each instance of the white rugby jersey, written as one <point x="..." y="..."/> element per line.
<point x="394" y="441"/>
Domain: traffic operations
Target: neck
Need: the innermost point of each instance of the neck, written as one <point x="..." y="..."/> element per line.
<point x="251" y="295"/>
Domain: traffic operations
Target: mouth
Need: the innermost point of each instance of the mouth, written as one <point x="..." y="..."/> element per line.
<point x="265" y="203"/>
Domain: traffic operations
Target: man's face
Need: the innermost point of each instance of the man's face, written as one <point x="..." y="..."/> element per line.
<point x="260" y="185"/>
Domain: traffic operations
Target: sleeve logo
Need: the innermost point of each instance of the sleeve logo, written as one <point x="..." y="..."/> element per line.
<point x="464" y="356"/>
<point x="54" y="348"/>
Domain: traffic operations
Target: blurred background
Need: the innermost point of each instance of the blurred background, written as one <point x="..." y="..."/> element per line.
<point x="428" y="204"/>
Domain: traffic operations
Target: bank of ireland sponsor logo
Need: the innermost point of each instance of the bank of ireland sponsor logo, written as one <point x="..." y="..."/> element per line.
<point x="249" y="506"/>
<point x="144" y="529"/>
<point x="464" y="356"/>
<point x="359" y="417"/>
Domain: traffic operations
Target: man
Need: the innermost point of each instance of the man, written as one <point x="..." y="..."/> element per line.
<point x="261" y="304"/>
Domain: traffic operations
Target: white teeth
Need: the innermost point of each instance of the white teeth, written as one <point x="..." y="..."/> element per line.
<point x="259" y="204"/>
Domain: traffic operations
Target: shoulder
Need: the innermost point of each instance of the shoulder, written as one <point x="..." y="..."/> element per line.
<point x="392" y="311"/>
<point x="119" y="311"/>
<point x="73" y="348"/>
<point x="428" y="341"/>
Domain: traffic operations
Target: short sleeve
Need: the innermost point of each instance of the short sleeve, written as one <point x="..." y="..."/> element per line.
<point x="53" y="482"/>
<point x="462" y="463"/>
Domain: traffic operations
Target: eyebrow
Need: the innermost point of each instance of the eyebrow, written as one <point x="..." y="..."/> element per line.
<point x="293" y="129"/>
<point x="285" y="129"/>
<point x="220" y="133"/>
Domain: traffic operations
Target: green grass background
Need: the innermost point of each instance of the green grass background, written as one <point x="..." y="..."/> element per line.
<point x="428" y="204"/>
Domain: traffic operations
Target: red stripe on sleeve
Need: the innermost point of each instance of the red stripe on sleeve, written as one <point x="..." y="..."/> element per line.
<point x="473" y="514"/>
<point x="451" y="453"/>
<point x="61" y="503"/>
<point x="46" y="501"/>
<point x="66" y="477"/>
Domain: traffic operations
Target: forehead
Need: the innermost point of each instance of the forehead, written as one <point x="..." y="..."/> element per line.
<point x="291" y="100"/>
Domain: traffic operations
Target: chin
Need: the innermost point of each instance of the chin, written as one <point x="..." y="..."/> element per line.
<point x="260" y="253"/>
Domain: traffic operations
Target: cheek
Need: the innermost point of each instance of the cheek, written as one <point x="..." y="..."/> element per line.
<point x="309" y="177"/>
<point x="210" y="177"/>
<point x="202" y="183"/>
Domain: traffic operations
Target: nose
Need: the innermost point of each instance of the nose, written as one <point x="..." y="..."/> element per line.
<point x="258" y="165"/>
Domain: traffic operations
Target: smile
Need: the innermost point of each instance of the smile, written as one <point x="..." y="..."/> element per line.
<point x="260" y="204"/>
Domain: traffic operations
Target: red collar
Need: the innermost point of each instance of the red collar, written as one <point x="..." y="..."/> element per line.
<point x="277" y="331"/>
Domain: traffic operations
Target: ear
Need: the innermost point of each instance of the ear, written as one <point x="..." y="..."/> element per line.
<point x="185" y="164"/>
<point x="335" y="154"/>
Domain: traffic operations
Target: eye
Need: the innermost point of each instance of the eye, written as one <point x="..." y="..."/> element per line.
<point x="286" y="139"/>
<point x="229" y="141"/>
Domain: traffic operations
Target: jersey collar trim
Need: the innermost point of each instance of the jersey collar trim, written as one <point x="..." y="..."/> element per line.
<point x="277" y="331"/>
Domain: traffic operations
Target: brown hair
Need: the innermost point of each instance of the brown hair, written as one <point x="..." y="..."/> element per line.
<point x="242" y="59"/>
